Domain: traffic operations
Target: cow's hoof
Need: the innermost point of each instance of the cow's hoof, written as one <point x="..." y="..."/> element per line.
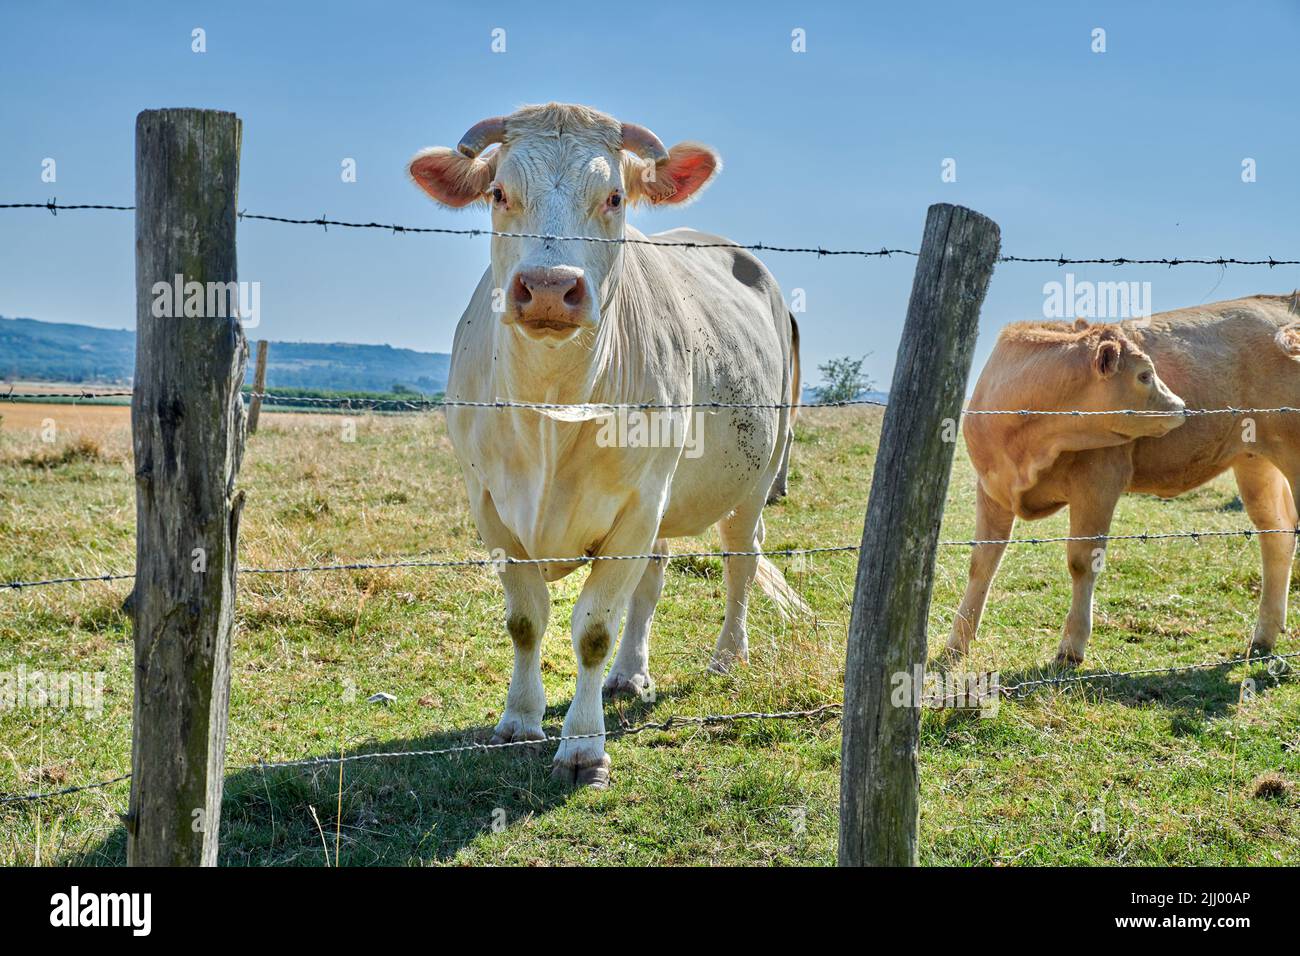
<point x="635" y="685"/>
<point x="511" y="731"/>
<point x="1068" y="659"/>
<point x="594" y="775"/>
<point x="1263" y="642"/>
<point x="724" y="662"/>
<point x="951" y="654"/>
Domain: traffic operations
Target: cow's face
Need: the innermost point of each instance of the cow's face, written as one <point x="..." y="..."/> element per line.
<point x="1122" y="376"/>
<point x="559" y="171"/>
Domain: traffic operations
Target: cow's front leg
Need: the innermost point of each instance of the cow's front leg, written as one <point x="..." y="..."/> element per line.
<point x="992" y="523"/>
<point x="596" y="618"/>
<point x="1089" y="516"/>
<point x="528" y="606"/>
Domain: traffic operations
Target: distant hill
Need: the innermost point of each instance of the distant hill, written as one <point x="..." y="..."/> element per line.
<point x="64" y="352"/>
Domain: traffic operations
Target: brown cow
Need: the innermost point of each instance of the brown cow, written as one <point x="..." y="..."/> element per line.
<point x="1244" y="353"/>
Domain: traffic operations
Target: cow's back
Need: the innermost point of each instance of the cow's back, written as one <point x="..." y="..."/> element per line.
<point x="1221" y="355"/>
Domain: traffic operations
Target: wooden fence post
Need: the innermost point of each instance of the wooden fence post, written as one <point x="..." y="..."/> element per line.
<point x="259" y="387"/>
<point x="879" y="778"/>
<point x="187" y="423"/>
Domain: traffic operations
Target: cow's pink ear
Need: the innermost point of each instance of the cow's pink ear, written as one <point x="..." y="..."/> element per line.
<point x="1106" y="359"/>
<point x="689" y="168"/>
<point x="451" y="178"/>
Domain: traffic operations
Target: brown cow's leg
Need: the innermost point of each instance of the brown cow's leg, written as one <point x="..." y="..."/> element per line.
<point x="1092" y="505"/>
<point x="1269" y="503"/>
<point x="992" y="522"/>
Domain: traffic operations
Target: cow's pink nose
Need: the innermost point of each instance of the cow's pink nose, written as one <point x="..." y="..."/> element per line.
<point x="558" y="293"/>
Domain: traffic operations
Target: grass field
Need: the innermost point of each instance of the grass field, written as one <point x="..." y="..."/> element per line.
<point x="1155" y="769"/>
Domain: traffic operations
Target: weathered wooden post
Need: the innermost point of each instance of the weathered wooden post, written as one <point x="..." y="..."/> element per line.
<point x="879" y="777"/>
<point x="187" y="422"/>
<point x="259" y="387"/>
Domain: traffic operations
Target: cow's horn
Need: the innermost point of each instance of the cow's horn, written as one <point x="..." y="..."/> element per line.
<point x="482" y="135"/>
<point x="644" y="143"/>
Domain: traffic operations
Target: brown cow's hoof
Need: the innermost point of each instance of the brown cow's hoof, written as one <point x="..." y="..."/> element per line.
<point x="951" y="654"/>
<point x="1261" y="647"/>
<point x="594" y="775"/>
<point x="1068" y="659"/>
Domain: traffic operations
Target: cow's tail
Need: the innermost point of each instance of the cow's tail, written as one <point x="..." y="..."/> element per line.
<point x="781" y="481"/>
<point x="776" y="587"/>
<point x="796" y="383"/>
<point x="1288" y="340"/>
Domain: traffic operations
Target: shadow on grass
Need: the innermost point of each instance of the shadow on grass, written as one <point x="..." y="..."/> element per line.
<point x="396" y="811"/>
<point x="1190" y="696"/>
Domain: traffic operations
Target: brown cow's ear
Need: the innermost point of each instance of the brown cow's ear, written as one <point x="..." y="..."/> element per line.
<point x="1080" y="325"/>
<point x="451" y="178"/>
<point x="1106" y="359"/>
<point x="689" y="168"/>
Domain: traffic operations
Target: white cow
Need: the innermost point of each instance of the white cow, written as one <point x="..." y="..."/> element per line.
<point x="579" y="322"/>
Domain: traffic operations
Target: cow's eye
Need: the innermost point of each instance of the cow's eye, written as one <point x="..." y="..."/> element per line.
<point x="615" y="199"/>
<point x="1147" y="377"/>
<point x="498" y="195"/>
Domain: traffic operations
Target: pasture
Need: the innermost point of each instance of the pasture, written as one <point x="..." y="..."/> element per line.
<point x="1151" y="769"/>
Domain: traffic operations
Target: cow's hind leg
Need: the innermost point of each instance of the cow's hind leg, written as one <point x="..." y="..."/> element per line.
<point x="992" y="523"/>
<point x="1270" y="504"/>
<point x="630" y="673"/>
<point x="742" y="530"/>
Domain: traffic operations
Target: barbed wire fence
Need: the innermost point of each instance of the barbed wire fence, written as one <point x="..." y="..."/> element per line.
<point x="54" y="207"/>
<point x="1018" y="690"/>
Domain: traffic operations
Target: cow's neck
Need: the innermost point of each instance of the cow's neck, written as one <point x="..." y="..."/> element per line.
<point x="577" y="372"/>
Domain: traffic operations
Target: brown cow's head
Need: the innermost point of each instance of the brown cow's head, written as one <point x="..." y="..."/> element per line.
<point x="1121" y="376"/>
<point x="566" y="171"/>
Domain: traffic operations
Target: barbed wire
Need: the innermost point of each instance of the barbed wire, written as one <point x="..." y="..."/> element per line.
<point x="15" y="396"/>
<point x="465" y="563"/>
<point x="594" y="407"/>
<point x="7" y="798"/>
<point x="1144" y="536"/>
<point x="670" y="723"/>
<point x="1024" y="688"/>
<point x="610" y="408"/>
<point x="1017" y="691"/>
<point x="325" y="222"/>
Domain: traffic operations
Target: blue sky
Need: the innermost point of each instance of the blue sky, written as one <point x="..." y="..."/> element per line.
<point x="1136" y="151"/>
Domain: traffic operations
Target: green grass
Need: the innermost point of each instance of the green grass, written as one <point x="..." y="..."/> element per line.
<point x="1157" y="769"/>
